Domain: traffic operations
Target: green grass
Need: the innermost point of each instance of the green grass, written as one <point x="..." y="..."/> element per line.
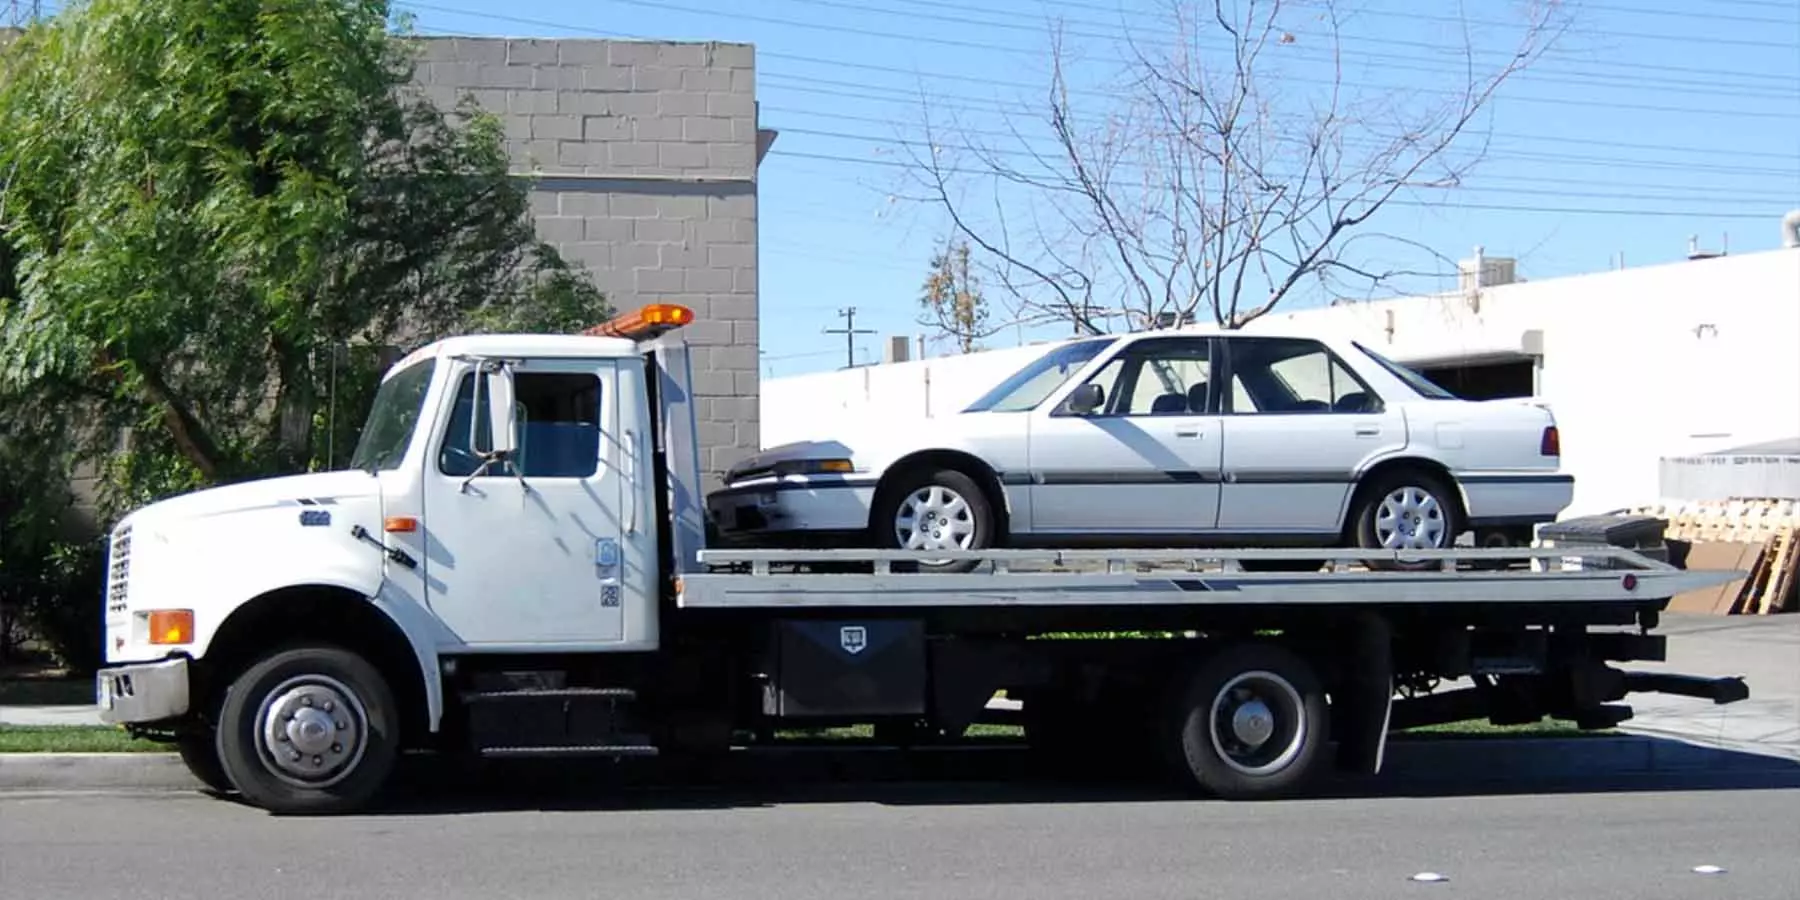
<point x="1482" y="728"/>
<point x="73" y="739"/>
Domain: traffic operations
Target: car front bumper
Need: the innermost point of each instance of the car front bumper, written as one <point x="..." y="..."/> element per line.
<point x="792" y="505"/>
<point x="142" y="692"/>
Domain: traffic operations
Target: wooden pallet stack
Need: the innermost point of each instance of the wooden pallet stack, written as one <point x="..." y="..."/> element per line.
<point x="1758" y="536"/>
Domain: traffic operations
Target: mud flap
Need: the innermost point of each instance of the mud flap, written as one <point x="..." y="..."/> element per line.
<point x="1365" y="696"/>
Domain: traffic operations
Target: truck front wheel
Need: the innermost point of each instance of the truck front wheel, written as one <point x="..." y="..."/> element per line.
<point x="1248" y="723"/>
<point x="200" y="753"/>
<point x="308" y="730"/>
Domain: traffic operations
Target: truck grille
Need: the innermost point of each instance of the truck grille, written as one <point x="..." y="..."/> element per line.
<point x="118" y="570"/>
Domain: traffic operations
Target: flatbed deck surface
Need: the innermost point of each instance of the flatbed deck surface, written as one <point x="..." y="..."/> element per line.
<point x="754" y="579"/>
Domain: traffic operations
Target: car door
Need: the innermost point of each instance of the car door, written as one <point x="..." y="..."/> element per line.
<point x="1298" y="425"/>
<point x="529" y="553"/>
<point x="1146" y="461"/>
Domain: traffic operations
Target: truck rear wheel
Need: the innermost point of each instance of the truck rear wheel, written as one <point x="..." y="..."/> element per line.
<point x="1248" y="723"/>
<point x="308" y="730"/>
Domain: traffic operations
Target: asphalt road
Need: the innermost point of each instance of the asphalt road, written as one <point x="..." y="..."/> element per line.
<point x="986" y="839"/>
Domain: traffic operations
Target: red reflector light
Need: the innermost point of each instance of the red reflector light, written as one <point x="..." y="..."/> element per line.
<point x="1630" y="582"/>
<point x="1552" y="442"/>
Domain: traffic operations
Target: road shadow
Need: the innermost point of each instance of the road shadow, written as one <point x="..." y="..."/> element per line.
<point x="1011" y="774"/>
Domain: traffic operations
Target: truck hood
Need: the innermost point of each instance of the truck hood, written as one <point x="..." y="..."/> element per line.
<point x="318" y="488"/>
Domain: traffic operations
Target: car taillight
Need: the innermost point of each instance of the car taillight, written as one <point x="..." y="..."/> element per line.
<point x="1552" y="442"/>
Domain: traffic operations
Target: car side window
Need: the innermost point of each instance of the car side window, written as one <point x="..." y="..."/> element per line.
<point x="1294" y="376"/>
<point x="558" y="419"/>
<point x="1157" y="378"/>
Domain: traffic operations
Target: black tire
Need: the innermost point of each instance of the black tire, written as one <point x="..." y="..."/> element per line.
<point x="1443" y="513"/>
<point x="330" y="692"/>
<point x="1208" y="754"/>
<point x="907" y="487"/>
<point x="200" y="753"/>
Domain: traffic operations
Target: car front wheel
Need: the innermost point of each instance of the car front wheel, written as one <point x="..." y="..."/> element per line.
<point x="935" y="509"/>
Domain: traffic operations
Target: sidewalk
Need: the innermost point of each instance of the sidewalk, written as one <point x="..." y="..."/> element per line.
<point x="1763" y="649"/>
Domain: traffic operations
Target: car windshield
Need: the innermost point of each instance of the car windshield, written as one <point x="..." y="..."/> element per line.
<point x="389" y="429"/>
<point x="1425" y="387"/>
<point x="1028" y="387"/>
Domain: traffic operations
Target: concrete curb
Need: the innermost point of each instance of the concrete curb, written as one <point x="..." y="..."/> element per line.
<point x="1412" y="761"/>
<point x="27" y="772"/>
<point x="1484" y="759"/>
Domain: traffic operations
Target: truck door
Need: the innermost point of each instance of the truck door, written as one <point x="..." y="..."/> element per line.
<point x="527" y="551"/>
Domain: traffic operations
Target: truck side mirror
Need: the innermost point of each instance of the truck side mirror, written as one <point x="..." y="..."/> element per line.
<point x="499" y="409"/>
<point x="1085" y="399"/>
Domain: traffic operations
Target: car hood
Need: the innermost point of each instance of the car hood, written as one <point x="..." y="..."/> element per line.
<point x="318" y="488"/>
<point x="871" y="445"/>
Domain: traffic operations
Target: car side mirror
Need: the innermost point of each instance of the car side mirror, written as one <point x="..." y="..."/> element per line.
<point x="1086" y="399"/>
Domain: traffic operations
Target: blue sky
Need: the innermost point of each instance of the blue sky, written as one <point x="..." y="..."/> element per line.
<point x="1651" y="121"/>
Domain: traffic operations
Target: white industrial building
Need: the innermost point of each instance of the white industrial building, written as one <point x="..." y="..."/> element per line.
<point x="1639" y="364"/>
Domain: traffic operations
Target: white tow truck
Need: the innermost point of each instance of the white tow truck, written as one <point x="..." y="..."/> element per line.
<point x="515" y="566"/>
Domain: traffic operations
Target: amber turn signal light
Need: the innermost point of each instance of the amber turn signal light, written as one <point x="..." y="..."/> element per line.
<point x="171" y="626"/>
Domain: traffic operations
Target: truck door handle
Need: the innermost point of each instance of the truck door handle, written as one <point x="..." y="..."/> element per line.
<point x="1368" y="430"/>
<point x="1187" y="432"/>
<point x="630" y="486"/>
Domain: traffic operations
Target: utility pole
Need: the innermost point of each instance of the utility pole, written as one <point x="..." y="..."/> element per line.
<point x="20" y="13"/>
<point x="849" y="331"/>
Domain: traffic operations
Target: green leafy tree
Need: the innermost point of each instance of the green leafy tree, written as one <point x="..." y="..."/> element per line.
<point x="214" y="215"/>
<point x="205" y="200"/>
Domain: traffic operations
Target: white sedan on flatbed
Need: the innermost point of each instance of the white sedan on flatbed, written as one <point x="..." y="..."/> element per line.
<point x="1171" y="439"/>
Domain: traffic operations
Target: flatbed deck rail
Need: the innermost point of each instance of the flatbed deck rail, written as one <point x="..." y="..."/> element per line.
<point x="777" y="578"/>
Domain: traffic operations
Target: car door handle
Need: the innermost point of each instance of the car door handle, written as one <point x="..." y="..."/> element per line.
<point x="1368" y="430"/>
<point x="1187" y="432"/>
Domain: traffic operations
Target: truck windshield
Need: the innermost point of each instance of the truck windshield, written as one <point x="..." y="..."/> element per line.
<point x="1028" y="387"/>
<point x="389" y="429"/>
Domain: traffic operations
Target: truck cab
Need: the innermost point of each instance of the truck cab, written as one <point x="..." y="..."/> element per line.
<point x="510" y="495"/>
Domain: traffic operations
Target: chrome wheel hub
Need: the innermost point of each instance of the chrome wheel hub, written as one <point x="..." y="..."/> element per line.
<point x="1410" y="518"/>
<point x="1258" y="723"/>
<point x="311" y="731"/>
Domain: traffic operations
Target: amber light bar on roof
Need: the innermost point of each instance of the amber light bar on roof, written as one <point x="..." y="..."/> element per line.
<point x="650" y="321"/>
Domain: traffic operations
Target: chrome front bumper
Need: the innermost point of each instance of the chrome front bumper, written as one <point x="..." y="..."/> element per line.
<point x="142" y="692"/>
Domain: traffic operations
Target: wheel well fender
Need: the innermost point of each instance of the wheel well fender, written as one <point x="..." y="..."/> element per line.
<point x="956" y="460"/>
<point x="334" y="615"/>
<point x="1374" y="472"/>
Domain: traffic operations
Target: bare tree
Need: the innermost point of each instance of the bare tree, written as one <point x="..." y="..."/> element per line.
<point x="1233" y="162"/>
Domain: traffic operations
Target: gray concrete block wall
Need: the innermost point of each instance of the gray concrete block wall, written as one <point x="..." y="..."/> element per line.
<point x="645" y="158"/>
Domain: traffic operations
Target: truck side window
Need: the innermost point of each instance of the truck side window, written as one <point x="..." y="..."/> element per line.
<point x="558" y="416"/>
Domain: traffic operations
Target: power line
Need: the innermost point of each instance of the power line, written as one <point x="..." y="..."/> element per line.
<point x="849" y="331"/>
<point x="1536" y="179"/>
<point x="1026" y="154"/>
<point x="1039" y="52"/>
<point x="979" y="104"/>
<point x="795" y="154"/>
<point x="1713" y="74"/>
